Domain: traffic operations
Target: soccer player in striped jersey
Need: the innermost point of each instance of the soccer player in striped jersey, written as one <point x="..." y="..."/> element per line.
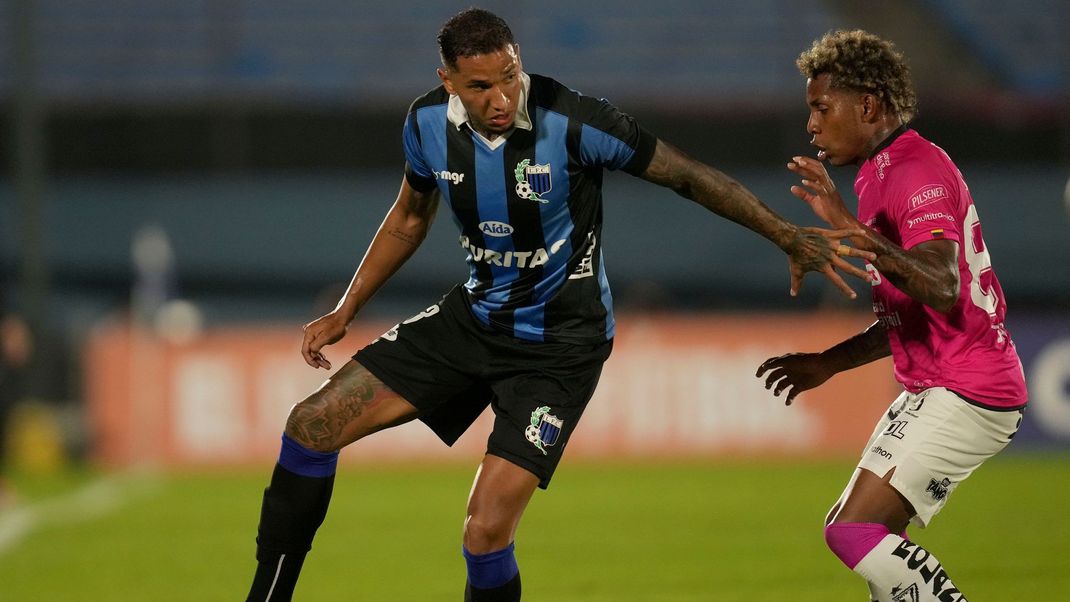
<point x="518" y="160"/>
<point x="939" y="308"/>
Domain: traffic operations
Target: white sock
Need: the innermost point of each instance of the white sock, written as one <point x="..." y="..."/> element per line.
<point x="899" y="570"/>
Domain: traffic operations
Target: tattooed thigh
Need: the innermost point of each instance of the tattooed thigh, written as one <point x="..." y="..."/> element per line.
<point x="352" y="404"/>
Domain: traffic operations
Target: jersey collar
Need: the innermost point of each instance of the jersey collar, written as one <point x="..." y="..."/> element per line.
<point x="899" y="131"/>
<point x="458" y="116"/>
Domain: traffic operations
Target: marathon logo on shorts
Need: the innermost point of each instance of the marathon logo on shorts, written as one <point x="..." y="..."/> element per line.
<point x="932" y="575"/>
<point x="938" y="489"/>
<point x="880" y="451"/>
<point x="544" y="430"/>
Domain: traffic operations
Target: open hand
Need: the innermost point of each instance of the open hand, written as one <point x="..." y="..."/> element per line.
<point x="820" y="250"/>
<point x="819" y="191"/>
<point x="794" y="373"/>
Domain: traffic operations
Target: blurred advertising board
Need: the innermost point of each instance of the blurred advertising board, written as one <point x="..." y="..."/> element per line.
<point x="674" y="386"/>
<point x="1043" y="343"/>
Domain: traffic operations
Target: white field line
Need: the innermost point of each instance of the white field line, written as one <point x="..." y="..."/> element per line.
<point x="98" y="498"/>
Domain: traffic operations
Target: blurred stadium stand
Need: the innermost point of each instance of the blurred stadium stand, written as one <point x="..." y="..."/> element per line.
<point x="264" y="138"/>
<point x="381" y="53"/>
<point x="1023" y="44"/>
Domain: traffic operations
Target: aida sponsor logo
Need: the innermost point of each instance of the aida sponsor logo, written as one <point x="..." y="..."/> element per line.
<point x="929" y="217"/>
<point x="450" y="176"/>
<point x="927" y="194"/>
<point x="496" y="229"/>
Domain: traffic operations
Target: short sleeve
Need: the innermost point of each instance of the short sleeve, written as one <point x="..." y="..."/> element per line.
<point x="417" y="173"/>
<point x="925" y="204"/>
<point x="612" y="139"/>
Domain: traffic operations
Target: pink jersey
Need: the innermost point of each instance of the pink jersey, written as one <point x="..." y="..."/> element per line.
<point x="911" y="192"/>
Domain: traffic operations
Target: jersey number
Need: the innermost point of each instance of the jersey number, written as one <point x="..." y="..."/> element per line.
<point x="392" y="334"/>
<point x="981" y="292"/>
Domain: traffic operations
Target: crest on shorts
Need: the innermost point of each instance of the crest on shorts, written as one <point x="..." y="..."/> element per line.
<point x="938" y="488"/>
<point x="532" y="181"/>
<point x="544" y="429"/>
<point x="909" y="594"/>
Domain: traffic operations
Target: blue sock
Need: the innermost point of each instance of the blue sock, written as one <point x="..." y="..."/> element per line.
<point x="488" y="571"/>
<point x="298" y="459"/>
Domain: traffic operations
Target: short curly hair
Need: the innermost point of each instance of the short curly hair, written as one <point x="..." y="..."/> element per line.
<point x="470" y="33"/>
<point x="858" y="60"/>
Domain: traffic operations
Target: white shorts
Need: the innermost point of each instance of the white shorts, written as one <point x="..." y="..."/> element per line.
<point x="934" y="440"/>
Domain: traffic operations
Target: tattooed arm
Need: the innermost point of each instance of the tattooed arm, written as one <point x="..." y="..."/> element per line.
<point x="404" y="228"/>
<point x="798" y="372"/>
<point x="928" y="272"/>
<point x="809" y="249"/>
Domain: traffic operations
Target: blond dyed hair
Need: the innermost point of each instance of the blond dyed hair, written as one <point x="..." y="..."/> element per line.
<point x="860" y="61"/>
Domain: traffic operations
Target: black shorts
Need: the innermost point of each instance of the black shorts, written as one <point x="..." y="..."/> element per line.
<point x="450" y="367"/>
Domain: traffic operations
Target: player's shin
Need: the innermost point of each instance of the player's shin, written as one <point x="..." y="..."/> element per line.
<point x="492" y="577"/>
<point x="896" y="569"/>
<point x="294" y="506"/>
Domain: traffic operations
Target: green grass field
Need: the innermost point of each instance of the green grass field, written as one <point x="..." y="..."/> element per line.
<point x="719" y="530"/>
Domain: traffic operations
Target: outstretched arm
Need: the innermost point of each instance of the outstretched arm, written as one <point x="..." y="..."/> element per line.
<point x="404" y="228"/>
<point x="928" y="272"/>
<point x="798" y="372"/>
<point x="809" y="249"/>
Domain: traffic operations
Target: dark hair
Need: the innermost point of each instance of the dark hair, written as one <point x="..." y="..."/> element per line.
<point x="470" y="33"/>
<point x="861" y="61"/>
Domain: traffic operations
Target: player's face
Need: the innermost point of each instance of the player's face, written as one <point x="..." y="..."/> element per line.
<point x="489" y="88"/>
<point x="836" y="122"/>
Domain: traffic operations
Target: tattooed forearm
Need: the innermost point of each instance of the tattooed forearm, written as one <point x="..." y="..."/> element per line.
<point x="717" y="192"/>
<point x="928" y="273"/>
<point x="863" y="348"/>
<point x="404" y="236"/>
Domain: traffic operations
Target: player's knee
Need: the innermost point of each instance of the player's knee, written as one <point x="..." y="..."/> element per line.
<point x="850" y="542"/>
<point x="482" y="536"/>
<point x="305" y="425"/>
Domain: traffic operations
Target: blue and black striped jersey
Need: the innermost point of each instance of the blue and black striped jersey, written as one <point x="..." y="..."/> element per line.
<point x="530" y="209"/>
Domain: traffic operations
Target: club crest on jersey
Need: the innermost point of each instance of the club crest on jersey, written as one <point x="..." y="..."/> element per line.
<point x="532" y="181"/>
<point x="544" y="429"/>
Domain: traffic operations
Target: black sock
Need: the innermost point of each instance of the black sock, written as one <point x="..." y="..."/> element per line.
<point x="507" y="592"/>
<point x="276" y="576"/>
<point x="294" y="507"/>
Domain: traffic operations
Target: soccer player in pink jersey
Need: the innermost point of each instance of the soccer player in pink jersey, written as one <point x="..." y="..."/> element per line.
<point x="939" y="308"/>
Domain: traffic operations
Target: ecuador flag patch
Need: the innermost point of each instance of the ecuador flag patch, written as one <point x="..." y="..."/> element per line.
<point x="938" y="233"/>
